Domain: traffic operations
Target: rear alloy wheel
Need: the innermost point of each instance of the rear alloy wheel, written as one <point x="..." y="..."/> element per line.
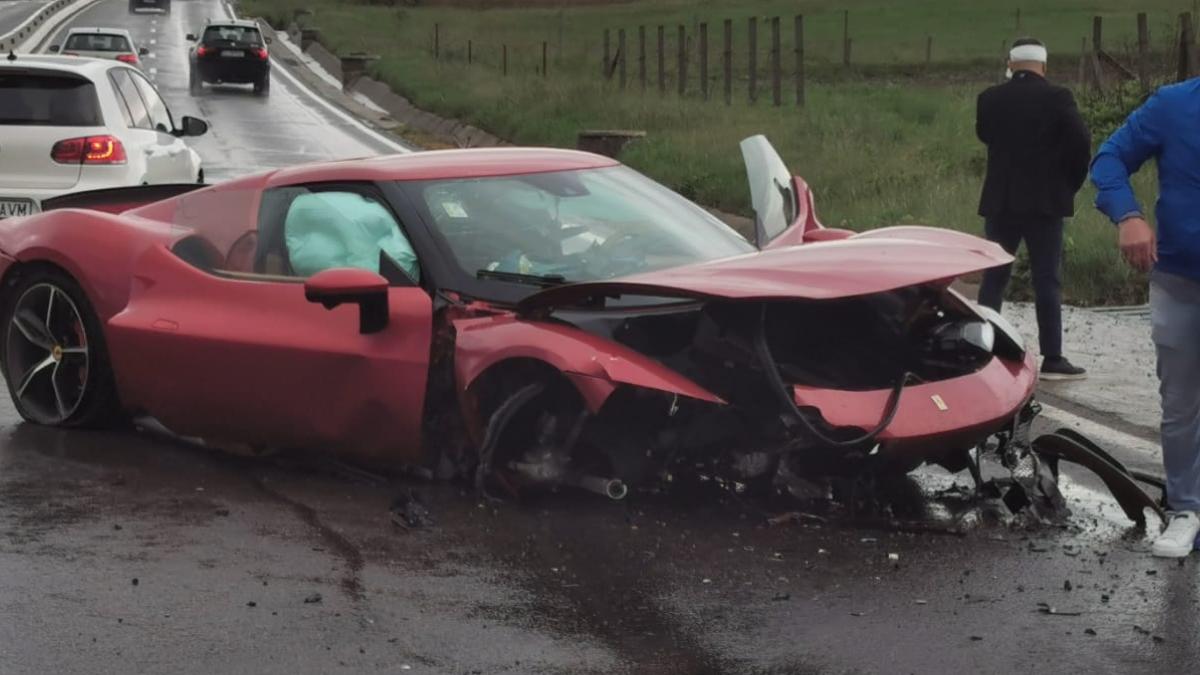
<point x="54" y="359"/>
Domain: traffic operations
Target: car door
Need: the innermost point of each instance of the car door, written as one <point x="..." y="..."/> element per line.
<point x="245" y="357"/>
<point x="180" y="168"/>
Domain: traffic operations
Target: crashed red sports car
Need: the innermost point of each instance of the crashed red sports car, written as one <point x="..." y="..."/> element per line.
<point x="523" y="317"/>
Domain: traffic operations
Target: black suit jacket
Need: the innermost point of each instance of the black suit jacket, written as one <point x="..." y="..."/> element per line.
<point x="1038" y="148"/>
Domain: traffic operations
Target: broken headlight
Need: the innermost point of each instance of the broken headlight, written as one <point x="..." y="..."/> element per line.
<point x="956" y="336"/>
<point x="1009" y="343"/>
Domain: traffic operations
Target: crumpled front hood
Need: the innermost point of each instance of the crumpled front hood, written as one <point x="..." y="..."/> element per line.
<point x="866" y="263"/>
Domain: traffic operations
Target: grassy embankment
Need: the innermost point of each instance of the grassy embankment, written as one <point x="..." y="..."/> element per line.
<point x="882" y="144"/>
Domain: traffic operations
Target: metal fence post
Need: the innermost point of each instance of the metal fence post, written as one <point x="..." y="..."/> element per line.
<point x="799" y="41"/>
<point x="753" y="54"/>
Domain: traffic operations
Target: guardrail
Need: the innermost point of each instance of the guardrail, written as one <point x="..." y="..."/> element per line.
<point x="18" y="35"/>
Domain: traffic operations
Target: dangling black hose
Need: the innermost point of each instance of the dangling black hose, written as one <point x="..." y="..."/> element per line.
<point x="771" y="369"/>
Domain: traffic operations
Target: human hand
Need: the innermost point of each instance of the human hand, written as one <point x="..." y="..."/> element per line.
<point x="1138" y="244"/>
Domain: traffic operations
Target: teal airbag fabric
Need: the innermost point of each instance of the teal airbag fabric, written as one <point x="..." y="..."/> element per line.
<point x="326" y="230"/>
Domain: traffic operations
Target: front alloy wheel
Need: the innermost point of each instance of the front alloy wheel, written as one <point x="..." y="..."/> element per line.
<point x="54" y="358"/>
<point x="47" y="354"/>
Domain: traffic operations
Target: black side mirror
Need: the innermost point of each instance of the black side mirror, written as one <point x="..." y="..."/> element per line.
<point x="54" y="49"/>
<point x="191" y="126"/>
<point x="142" y="51"/>
<point x="191" y="37"/>
<point x="364" y="288"/>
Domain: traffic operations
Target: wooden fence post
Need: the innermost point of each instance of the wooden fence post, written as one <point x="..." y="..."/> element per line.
<point x="846" y="38"/>
<point x="1184" y="71"/>
<point x="437" y="29"/>
<point x="605" y="68"/>
<point x="642" y="56"/>
<point x="544" y="64"/>
<point x="621" y="55"/>
<point x="1083" y="62"/>
<point x="799" y="41"/>
<point x="1097" y="31"/>
<point x="752" y="29"/>
<point x="504" y="59"/>
<point x="681" y="70"/>
<point x="1143" y="66"/>
<point x="662" y="61"/>
<point x="727" y="61"/>
<point x="470" y="56"/>
<point x="776" y="65"/>
<point x="704" y="61"/>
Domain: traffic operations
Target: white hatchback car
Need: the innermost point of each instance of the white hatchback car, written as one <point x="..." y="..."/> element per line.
<point x="101" y="43"/>
<point x="73" y="124"/>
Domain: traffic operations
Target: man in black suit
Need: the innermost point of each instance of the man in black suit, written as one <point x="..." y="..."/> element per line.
<point x="1038" y="150"/>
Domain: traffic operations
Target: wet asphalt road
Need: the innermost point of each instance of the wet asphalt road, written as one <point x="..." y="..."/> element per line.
<point x="14" y="12"/>
<point x="129" y="553"/>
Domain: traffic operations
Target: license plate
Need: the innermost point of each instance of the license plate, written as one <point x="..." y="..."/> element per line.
<point x="11" y="208"/>
<point x="233" y="53"/>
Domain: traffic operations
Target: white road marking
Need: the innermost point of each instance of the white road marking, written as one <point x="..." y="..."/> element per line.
<point x="1102" y="434"/>
<point x="153" y="72"/>
<point x="153" y="41"/>
<point x="320" y="100"/>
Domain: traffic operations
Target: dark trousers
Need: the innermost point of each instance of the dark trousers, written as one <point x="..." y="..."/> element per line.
<point x="1043" y="237"/>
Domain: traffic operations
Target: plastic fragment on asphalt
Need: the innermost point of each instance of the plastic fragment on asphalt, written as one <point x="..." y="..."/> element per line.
<point x="893" y="557"/>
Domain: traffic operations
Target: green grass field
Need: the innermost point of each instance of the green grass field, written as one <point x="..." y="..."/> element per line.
<point x="878" y="150"/>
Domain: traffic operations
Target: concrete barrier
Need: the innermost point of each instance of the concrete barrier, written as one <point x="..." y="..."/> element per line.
<point x="14" y="38"/>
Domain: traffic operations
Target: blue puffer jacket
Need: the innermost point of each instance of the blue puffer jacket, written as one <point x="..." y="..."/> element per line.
<point x="1166" y="127"/>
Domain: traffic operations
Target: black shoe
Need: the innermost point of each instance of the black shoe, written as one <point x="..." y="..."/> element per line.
<point x="1060" y="368"/>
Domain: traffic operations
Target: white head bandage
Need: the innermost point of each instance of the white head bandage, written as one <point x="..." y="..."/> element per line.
<point x="1027" y="53"/>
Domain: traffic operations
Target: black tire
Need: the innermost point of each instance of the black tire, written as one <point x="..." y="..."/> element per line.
<point x="84" y="395"/>
<point x="263" y="86"/>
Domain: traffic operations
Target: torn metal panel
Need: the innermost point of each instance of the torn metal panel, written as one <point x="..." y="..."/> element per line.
<point x="1132" y="499"/>
<point x="483" y="343"/>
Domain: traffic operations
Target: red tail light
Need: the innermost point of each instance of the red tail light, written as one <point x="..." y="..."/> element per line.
<point x="261" y="52"/>
<point x="202" y="50"/>
<point x="128" y="58"/>
<point x="89" y="150"/>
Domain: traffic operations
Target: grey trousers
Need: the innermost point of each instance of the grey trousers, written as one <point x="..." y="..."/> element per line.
<point x="1175" y="308"/>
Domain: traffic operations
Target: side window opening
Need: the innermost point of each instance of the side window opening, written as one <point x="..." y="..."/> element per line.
<point x="307" y="229"/>
<point x="160" y="115"/>
<point x="128" y="93"/>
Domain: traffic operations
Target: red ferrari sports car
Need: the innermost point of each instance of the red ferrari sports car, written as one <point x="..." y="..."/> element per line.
<point x="524" y="317"/>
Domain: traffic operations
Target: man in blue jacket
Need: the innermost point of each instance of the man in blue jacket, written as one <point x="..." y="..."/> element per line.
<point x="1166" y="128"/>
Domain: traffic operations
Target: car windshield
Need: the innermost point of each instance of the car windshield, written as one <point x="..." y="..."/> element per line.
<point x="48" y="100"/>
<point x="97" y="42"/>
<point x="242" y="35"/>
<point x="579" y="225"/>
